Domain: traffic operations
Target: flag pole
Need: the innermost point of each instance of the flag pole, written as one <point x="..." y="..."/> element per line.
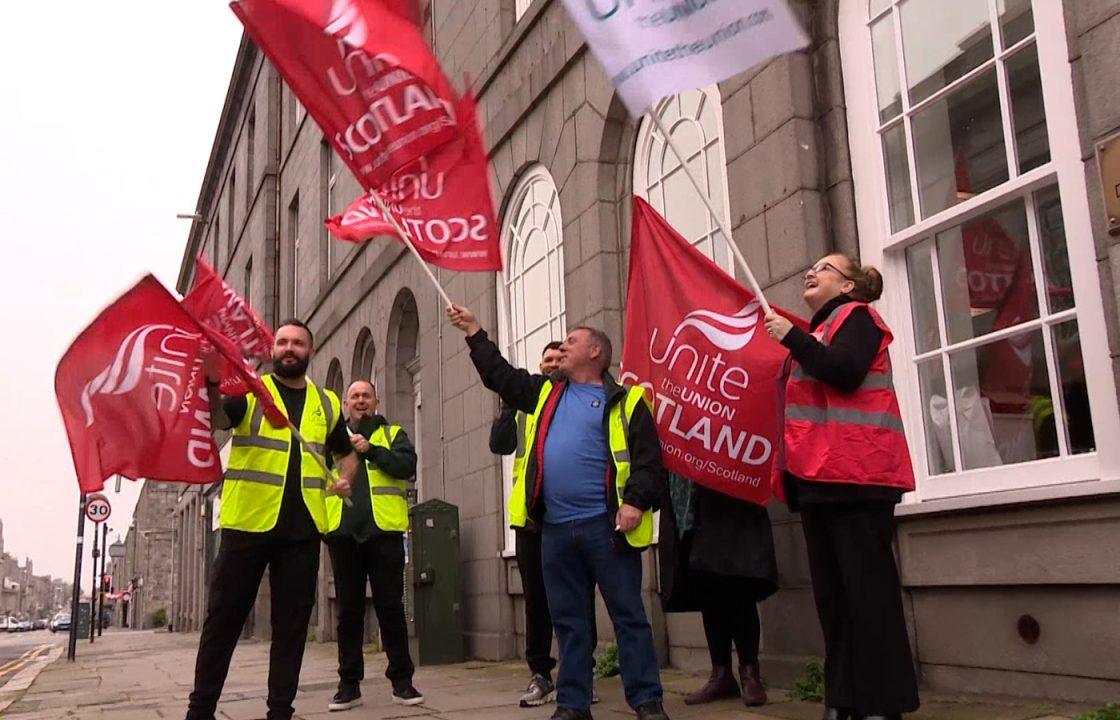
<point x="317" y="458"/>
<point x="407" y="239"/>
<point x="726" y="231"/>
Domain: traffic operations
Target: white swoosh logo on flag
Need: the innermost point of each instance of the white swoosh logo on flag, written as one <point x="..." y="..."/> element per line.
<point x="123" y="374"/>
<point x="736" y="332"/>
<point x="347" y="24"/>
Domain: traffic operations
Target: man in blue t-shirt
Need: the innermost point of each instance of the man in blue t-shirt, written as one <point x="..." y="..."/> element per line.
<point x="570" y="485"/>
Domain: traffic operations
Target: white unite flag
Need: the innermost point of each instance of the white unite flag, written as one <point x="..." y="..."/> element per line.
<point x="652" y="49"/>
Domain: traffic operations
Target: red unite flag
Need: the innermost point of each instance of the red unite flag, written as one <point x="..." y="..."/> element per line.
<point x="443" y="203"/>
<point x="133" y="395"/>
<point x="237" y="333"/>
<point x="364" y="73"/>
<point x="696" y="341"/>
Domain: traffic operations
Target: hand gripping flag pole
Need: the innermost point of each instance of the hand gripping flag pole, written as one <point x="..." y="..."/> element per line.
<point x="724" y="230"/>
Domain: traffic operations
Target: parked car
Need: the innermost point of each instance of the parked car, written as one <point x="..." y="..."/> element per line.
<point x="40" y="624"/>
<point x="26" y="626"/>
<point x="6" y="623"/>
<point x="60" y="622"/>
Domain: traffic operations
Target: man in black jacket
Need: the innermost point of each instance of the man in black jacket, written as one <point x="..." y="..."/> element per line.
<point x="596" y="443"/>
<point x="369" y="547"/>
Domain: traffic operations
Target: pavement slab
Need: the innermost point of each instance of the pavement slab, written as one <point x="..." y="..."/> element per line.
<point x="146" y="675"/>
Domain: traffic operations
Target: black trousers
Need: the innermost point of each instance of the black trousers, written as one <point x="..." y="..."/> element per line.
<point x="730" y="616"/>
<point x="378" y="561"/>
<point x="538" y="619"/>
<point x="868" y="665"/>
<point x="293" y="567"/>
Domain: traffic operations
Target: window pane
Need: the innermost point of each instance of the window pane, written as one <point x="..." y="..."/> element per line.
<point x="935" y="415"/>
<point x="1075" y="393"/>
<point x="1002" y="391"/>
<point x="1016" y="18"/>
<point x="987" y="278"/>
<point x="1028" y="111"/>
<point x="959" y="144"/>
<point x="1055" y="256"/>
<point x="919" y="266"/>
<point x="878" y="6"/>
<point x="886" y="69"/>
<point x="898" y="178"/>
<point x="943" y="41"/>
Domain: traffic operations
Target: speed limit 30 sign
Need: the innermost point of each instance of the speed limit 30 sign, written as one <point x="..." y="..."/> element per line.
<point x="97" y="508"/>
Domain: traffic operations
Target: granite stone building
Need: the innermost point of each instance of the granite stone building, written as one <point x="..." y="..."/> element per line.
<point x="952" y="143"/>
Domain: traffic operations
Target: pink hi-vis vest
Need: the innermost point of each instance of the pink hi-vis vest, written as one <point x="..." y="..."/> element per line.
<point x="847" y="437"/>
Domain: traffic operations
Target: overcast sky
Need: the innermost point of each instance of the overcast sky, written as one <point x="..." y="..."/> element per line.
<point x="107" y="115"/>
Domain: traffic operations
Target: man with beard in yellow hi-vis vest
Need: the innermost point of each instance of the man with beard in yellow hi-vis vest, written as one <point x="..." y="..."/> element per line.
<point x="273" y="514"/>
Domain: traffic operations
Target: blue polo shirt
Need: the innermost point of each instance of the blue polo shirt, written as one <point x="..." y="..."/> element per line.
<point x="576" y="456"/>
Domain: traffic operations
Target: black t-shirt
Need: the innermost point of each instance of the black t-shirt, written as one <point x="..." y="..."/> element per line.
<point x="294" y="522"/>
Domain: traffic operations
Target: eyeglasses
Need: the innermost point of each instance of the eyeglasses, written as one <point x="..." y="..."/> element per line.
<point x="821" y="267"/>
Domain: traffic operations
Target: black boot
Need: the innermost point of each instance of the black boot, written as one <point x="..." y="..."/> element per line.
<point x="720" y="685"/>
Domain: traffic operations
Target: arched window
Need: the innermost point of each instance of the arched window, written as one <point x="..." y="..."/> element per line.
<point x="968" y="182"/>
<point x="531" y="299"/>
<point x="402" y="397"/>
<point x="695" y="120"/>
<point x="335" y="381"/>
<point x="364" y="353"/>
<point x="533" y="302"/>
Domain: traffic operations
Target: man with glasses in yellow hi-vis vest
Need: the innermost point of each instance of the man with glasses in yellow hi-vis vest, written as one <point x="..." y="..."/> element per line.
<point x="368" y="549"/>
<point x="273" y="514"/>
<point x="593" y="478"/>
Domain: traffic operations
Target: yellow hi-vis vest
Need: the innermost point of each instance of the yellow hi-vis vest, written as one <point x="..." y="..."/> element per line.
<point x="388" y="495"/>
<point x="618" y="433"/>
<point x="258" y="463"/>
<point x="526" y="430"/>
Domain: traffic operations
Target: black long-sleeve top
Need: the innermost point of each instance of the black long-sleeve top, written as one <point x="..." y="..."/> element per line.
<point x="503" y="432"/>
<point x="843" y="364"/>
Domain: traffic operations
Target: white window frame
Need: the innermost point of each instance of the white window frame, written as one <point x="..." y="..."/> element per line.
<point x="520" y="7"/>
<point x="1040" y="479"/>
<point x="333" y="178"/>
<point x="651" y="142"/>
<point x="512" y="339"/>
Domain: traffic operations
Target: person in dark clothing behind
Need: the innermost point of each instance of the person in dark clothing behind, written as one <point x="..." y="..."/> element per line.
<point x="274" y="512"/>
<point x="847" y="465"/>
<point x="507" y="437"/>
<point x="593" y="478"/>
<point x="717" y="557"/>
<point x="369" y="547"/>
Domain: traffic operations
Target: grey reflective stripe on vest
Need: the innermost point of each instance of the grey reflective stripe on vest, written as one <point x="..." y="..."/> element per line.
<point x="382" y="490"/>
<point x="328" y="409"/>
<point x="258" y="417"/>
<point x="826" y="329"/>
<point x="255" y="476"/>
<point x="310" y="483"/>
<point x="255" y="441"/>
<point x="872" y="381"/>
<point x="622" y="456"/>
<point x="522" y="429"/>
<point x="317" y="448"/>
<point x="849" y="416"/>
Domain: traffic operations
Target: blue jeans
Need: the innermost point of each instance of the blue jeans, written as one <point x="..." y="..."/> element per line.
<point x="577" y="556"/>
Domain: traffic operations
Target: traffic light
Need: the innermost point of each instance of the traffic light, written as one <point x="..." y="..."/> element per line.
<point x="107" y="583"/>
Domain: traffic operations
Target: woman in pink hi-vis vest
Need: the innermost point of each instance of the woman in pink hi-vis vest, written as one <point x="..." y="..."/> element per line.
<point x="847" y="465"/>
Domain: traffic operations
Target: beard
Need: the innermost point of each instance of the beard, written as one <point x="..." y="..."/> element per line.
<point x="289" y="372"/>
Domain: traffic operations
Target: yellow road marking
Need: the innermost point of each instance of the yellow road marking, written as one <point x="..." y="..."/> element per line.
<point x="19" y="663"/>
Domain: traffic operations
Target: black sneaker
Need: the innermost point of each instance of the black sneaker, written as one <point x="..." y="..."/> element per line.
<point x="407" y="695"/>
<point x="541" y="691"/>
<point x="652" y="711"/>
<point x="567" y="713"/>
<point x="345" y="698"/>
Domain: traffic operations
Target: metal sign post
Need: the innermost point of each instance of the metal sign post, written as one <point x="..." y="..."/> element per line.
<point x="72" y="649"/>
<point x="98" y="510"/>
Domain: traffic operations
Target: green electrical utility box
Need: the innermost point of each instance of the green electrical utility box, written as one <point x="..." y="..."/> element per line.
<point x="437" y="583"/>
<point x="83" y="619"/>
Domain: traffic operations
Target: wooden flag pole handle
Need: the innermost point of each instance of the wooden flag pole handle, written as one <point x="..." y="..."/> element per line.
<point x="407" y="238"/>
<point x="318" y="459"/>
<point x="726" y="231"/>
